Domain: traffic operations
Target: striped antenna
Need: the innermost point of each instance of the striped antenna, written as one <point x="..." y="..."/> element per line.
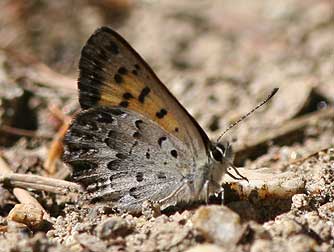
<point x="273" y="92"/>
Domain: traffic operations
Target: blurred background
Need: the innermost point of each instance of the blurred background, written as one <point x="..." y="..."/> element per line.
<point x="219" y="58"/>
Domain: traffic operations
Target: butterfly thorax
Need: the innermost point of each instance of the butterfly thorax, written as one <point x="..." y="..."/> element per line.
<point x="208" y="177"/>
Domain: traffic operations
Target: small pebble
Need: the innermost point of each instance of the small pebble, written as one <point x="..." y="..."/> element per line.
<point x="219" y="224"/>
<point x="113" y="227"/>
<point x="150" y="209"/>
<point x="92" y="243"/>
<point x="27" y="214"/>
<point x="299" y="201"/>
<point x="20" y="228"/>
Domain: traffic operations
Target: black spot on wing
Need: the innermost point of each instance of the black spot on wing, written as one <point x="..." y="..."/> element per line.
<point x="160" y="114"/>
<point x="138" y="123"/>
<point x="121" y="156"/>
<point x="122" y="71"/>
<point x="127" y="96"/>
<point x="136" y="134"/>
<point x="110" y="140"/>
<point x="87" y="123"/>
<point x="104" y="118"/>
<point x="145" y="91"/>
<point x="113" y="165"/>
<point x="112" y="47"/>
<point x="133" y="193"/>
<point x="77" y="150"/>
<point x="118" y="78"/>
<point x="81" y="167"/>
<point x="124" y="104"/>
<point x="139" y="176"/>
<point x="174" y="153"/>
<point x="135" y="72"/>
<point x="161" y="139"/>
<point x="161" y="175"/>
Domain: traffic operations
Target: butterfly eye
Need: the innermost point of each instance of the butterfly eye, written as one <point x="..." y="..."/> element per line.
<point x="217" y="154"/>
<point x="221" y="147"/>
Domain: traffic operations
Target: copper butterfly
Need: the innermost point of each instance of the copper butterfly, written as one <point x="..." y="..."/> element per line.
<point x="133" y="141"/>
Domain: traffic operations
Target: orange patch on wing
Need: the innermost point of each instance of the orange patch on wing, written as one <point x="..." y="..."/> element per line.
<point x="112" y="94"/>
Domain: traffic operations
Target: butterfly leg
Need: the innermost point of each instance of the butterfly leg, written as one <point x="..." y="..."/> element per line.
<point x="175" y="192"/>
<point x="218" y="189"/>
<point x="206" y="191"/>
<point x="221" y="191"/>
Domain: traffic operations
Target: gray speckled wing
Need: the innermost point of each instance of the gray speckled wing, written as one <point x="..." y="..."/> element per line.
<point x="123" y="158"/>
<point x="113" y="74"/>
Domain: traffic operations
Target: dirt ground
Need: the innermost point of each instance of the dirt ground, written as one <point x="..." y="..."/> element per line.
<point x="220" y="59"/>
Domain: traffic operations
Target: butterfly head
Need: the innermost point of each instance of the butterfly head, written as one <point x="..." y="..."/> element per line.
<point x="221" y="151"/>
<point x="220" y="158"/>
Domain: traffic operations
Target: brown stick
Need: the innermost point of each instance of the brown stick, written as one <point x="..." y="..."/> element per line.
<point x="41" y="183"/>
<point x="22" y="195"/>
<point x="56" y="148"/>
<point x="22" y="132"/>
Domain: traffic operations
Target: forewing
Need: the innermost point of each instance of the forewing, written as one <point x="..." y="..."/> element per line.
<point x="121" y="157"/>
<point x="113" y="74"/>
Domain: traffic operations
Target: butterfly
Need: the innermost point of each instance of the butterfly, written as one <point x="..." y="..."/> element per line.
<point x="133" y="141"/>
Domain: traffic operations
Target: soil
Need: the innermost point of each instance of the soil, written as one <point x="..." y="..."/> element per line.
<point x="220" y="59"/>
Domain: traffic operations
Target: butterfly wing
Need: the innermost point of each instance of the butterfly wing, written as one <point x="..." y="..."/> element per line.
<point x="113" y="74"/>
<point x="119" y="156"/>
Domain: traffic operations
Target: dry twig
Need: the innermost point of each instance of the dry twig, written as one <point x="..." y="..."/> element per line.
<point x="22" y="195"/>
<point x="22" y="132"/>
<point x="40" y="183"/>
<point x="56" y="148"/>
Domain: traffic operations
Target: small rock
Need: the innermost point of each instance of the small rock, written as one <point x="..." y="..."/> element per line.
<point x="301" y="243"/>
<point x="182" y="218"/>
<point x="27" y="214"/>
<point x="219" y="224"/>
<point x="255" y="232"/>
<point x="206" y="248"/>
<point x="92" y="243"/>
<point x="284" y="226"/>
<point x="321" y="227"/>
<point x="262" y="246"/>
<point x="18" y="228"/>
<point x="150" y="209"/>
<point x="113" y="227"/>
<point x="300" y="201"/>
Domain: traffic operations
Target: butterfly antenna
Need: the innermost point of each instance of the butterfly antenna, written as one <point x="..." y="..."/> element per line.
<point x="273" y="92"/>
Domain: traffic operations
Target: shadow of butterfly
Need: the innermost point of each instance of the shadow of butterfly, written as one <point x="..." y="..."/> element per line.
<point x="133" y="141"/>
